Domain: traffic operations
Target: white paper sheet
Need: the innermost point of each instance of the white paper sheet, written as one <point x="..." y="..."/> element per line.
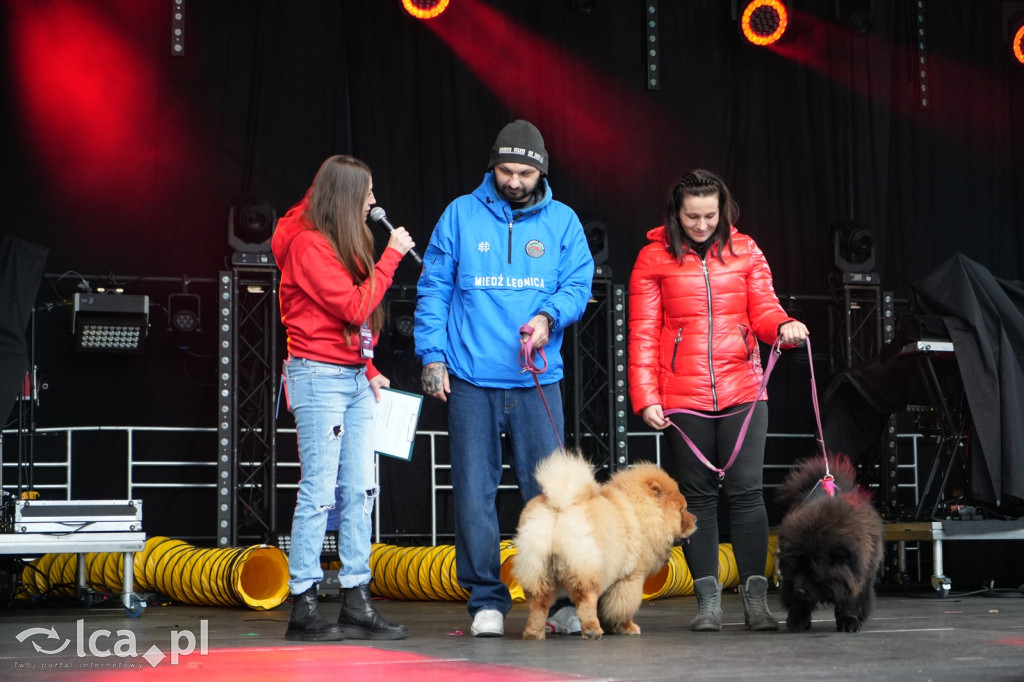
<point x="394" y="423"/>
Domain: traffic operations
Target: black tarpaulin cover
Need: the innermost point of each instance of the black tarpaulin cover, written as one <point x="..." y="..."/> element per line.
<point x="984" y="316"/>
<point x="21" y="270"/>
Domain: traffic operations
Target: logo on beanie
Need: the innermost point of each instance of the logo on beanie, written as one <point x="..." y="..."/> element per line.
<point x="520" y="151"/>
<point x="534" y="248"/>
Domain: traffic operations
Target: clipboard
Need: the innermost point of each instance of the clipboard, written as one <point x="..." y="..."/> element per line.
<point x="394" y="423"/>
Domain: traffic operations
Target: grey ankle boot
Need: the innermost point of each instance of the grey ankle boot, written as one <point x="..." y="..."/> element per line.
<point x="755" y="604"/>
<point x="709" y="603"/>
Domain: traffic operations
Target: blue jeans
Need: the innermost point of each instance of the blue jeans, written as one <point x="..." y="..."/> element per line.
<point x="333" y="407"/>
<point x="476" y="419"/>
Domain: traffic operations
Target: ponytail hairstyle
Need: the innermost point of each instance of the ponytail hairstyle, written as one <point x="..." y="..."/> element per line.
<point x="335" y="210"/>
<point x="700" y="183"/>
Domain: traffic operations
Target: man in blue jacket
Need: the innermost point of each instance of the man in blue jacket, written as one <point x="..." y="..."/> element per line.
<point x="505" y="256"/>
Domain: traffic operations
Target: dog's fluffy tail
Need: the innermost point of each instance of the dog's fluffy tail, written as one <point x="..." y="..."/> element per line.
<point x="566" y="478"/>
<point x="807" y="473"/>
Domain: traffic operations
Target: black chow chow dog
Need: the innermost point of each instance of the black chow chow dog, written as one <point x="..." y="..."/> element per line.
<point x="830" y="548"/>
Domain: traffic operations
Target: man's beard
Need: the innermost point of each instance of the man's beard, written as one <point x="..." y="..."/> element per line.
<point x="519" y="197"/>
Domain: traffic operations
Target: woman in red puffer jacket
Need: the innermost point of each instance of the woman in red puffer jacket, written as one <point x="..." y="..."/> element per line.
<point x="700" y="298"/>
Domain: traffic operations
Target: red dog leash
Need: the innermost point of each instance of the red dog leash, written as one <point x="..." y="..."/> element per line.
<point x="527" y="353"/>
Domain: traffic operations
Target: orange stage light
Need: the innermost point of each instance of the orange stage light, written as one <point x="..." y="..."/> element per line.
<point x="1017" y="43"/>
<point x="425" y="9"/>
<point x="764" y="21"/>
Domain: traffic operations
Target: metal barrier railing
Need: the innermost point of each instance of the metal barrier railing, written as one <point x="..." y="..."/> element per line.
<point x="135" y="466"/>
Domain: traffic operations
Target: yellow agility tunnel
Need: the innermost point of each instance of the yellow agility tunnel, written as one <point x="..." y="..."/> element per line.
<point x="257" y="577"/>
<point x="428" y="573"/>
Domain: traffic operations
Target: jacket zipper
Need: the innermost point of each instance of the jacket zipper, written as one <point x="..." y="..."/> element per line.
<point x="510" y="241"/>
<point x="512" y="221"/>
<point x="679" y="337"/>
<point x="711" y="325"/>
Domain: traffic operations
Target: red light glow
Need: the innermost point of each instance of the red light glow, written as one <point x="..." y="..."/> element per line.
<point x="324" y="661"/>
<point x="1018" y="43"/>
<point x="606" y="146"/>
<point x="820" y="48"/>
<point x="88" y="99"/>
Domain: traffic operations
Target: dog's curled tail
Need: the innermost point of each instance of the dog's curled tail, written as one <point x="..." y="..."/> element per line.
<point x="566" y="478"/>
<point x="802" y="479"/>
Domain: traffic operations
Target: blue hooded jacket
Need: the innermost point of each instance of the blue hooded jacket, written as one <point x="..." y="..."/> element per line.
<point x="488" y="270"/>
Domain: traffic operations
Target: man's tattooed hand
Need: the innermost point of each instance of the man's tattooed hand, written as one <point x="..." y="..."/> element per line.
<point x="434" y="379"/>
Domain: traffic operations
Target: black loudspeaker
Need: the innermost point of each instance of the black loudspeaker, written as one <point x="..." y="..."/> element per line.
<point x="251" y="223"/>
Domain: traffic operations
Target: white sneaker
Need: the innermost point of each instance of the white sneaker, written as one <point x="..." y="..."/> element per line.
<point x="564" y="621"/>
<point x="490" y="623"/>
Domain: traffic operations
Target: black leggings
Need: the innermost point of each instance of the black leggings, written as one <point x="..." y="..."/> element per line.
<point x="741" y="487"/>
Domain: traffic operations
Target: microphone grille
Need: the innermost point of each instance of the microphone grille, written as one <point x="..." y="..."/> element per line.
<point x="377" y="214"/>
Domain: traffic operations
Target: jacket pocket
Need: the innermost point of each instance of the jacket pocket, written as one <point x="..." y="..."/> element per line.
<point x="749" y="341"/>
<point x="675" y="349"/>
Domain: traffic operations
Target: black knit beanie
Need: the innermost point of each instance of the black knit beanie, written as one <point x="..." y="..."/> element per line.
<point x="520" y="142"/>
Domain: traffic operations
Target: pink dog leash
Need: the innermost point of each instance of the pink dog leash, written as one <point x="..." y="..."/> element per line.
<point x="772" y="359"/>
<point x="828" y="482"/>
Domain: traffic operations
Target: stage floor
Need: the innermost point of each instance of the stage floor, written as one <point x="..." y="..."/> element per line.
<point x="915" y="636"/>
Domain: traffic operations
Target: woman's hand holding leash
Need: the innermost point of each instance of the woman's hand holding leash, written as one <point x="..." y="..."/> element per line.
<point x="654" y="417"/>
<point x="793" y="333"/>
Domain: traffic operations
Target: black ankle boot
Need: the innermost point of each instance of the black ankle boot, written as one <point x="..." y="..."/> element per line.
<point x="359" y="620"/>
<point x="306" y="624"/>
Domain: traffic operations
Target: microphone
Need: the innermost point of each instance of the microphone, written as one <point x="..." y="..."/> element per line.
<point x="378" y="216"/>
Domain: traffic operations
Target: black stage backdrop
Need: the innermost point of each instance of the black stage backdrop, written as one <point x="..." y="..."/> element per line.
<point x="123" y="159"/>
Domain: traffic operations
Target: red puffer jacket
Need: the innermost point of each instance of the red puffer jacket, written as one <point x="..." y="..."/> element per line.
<point x="692" y="327"/>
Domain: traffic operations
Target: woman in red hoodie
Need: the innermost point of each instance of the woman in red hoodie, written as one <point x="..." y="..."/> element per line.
<point x="700" y="298"/>
<point x="331" y="291"/>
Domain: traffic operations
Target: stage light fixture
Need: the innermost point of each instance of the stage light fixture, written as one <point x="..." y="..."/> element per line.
<point x="856" y="14"/>
<point x="581" y="6"/>
<point x="425" y="9"/>
<point x="401" y="320"/>
<point x="183" y="311"/>
<point x="178" y="28"/>
<point x="652" y="46"/>
<point x="1015" y="30"/>
<point x="405" y="325"/>
<point x="251" y="224"/>
<point x="110" y="322"/>
<point x="854" y="246"/>
<point x="763" y="22"/>
<point x="596" y="233"/>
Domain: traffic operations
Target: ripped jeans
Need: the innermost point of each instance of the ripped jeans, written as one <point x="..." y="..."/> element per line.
<point x="333" y="407"/>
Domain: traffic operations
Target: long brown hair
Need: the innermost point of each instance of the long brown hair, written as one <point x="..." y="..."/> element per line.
<point x="700" y="183"/>
<point x="336" y="211"/>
